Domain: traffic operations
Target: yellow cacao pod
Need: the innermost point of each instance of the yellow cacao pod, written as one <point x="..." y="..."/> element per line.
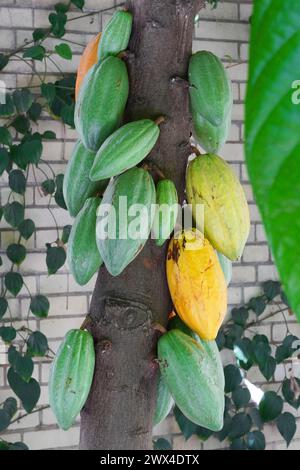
<point x="197" y="283"/>
<point x="211" y="182"/>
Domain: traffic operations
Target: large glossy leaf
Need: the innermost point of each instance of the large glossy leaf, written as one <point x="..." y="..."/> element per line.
<point x="272" y="133"/>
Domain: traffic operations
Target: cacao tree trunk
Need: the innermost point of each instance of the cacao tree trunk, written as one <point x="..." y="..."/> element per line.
<point x="119" y="411"/>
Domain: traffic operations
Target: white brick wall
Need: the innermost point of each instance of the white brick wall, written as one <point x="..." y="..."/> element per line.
<point x="224" y="31"/>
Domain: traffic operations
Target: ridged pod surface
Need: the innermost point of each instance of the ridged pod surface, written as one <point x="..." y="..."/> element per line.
<point x="101" y="102"/>
<point x="197" y="284"/>
<point x="210" y="90"/>
<point x="226" y="266"/>
<point x="210" y="137"/>
<point x="83" y="255"/>
<point x="71" y="376"/>
<point x="164" y="401"/>
<point x="77" y="186"/>
<point x="135" y="186"/>
<point x="211" y="182"/>
<point x="116" y="35"/>
<point x="87" y="60"/>
<point x="193" y="378"/>
<point x="125" y="148"/>
<point x="167" y="210"/>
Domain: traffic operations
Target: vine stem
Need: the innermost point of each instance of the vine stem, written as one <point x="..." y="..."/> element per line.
<point x="41" y="408"/>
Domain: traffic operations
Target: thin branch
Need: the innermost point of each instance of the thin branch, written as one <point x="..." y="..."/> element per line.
<point x="41" y="408"/>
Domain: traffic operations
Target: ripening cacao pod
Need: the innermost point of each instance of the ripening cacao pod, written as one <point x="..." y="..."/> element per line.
<point x="116" y="35"/>
<point x="125" y="148"/>
<point x="211" y="182"/>
<point x="210" y="87"/>
<point x="77" y="186"/>
<point x="71" y="376"/>
<point x="118" y="249"/>
<point x="226" y="266"/>
<point x="210" y="137"/>
<point x="87" y="60"/>
<point x="194" y="376"/>
<point x="101" y="102"/>
<point x="166" y="212"/>
<point x="164" y="401"/>
<point x="83" y="255"/>
<point x="196" y="282"/>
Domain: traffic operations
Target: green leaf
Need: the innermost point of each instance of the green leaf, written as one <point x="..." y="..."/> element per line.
<point x="288" y="387"/>
<point x="240" y="315"/>
<point x="23" y="99"/>
<point x="257" y="304"/>
<point x="39" y="306"/>
<point x="26" y="228"/>
<point x="233" y="378"/>
<point x="58" y="21"/>
<point x="240" y="425"/>
<point x="241" y="397"/>
<point x="14" y="213"/>
<point x="272" y="133"/>
<point x="35" y="52"/>
<point x="221" y="435"/>
<point x="268" y="367"/>
<point x="286" y="424"/>
<point x="7" y="333"/>
<point x="23" y="366"/>
<point x="66" y="233"/>
<point x="49" y="135"/>
<point x="4" y="445"/>
<point x="3" y="307"/>
<point x="48" y="91"/>
<point x="61" y="7"/>
<point x="59" y="197"/>
<point x="35" y="111"/>
<point x="12" y="355"/>
<point x="16" y="253"/>
<point x="4" y="160"/>
<point x="64" y="51"/>
<point x="48" y="187"/>
<point x="32" y="150"/>
<point x="261" y="351"/>
<point x="5" y="136"/>
<point x="221" y="340"/>
<point x="270" y="406"/>
<point x="17" y="181"/>
<point x="37" y="344"/>
<point x="162" y="444"/>
<point x="3" y="61"/>
<point x="78" y="3"/>
<point x="39" y="34"/>
<point x="28" y="392"/>
<point x="286" y="350"/>
<point x="21" y="124"/>
<point x="10" y="406"/>
<point x="17" y="446"/>
<point x="256" y="418"/>
<point x="234" y="332"/>
<point x="13" y="282"/>
<point x="243" y="351"/>
<point x="203" y="433"/>
<point x="185" y="425"/>
<point x="55" y="258"/>
<point x="4" y="420"/>
<point x="238" y="444"/>
<point x="67" y="114"/>
<point x="255" y="441"/>
<point x="271" y="289"/>
<point x="7" y="109"/>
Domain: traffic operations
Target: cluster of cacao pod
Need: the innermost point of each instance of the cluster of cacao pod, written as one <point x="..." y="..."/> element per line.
<point x="199" y="260"/>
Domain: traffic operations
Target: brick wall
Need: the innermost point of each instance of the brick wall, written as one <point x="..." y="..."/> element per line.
<point x="224" y="31"/>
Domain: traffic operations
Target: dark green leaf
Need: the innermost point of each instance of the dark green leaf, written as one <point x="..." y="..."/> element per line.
<point x="3" y="61"/>
<point x="39" y="306"/>
<point x="234" y="332"/>
<point x="23" y="366"/>
<point x="7" y="109"/>
<point x="4" y="445"/>
<point x="17" y="181"/>
<point x="23" y="99"/>
<point x="58" y="21"/>
<point x="240" y="315"/>
<point x="289" y="346"/>
<point x="4" y="160"/>
<point x="48" y="187"/>
<point x="37" y="344"/>
<point x="203" y="433"/>
<point x="4" y="420"/>
<point x="59" y="197"/>
<point x="10" y="406"/>
<point x="5" y="137"/>
<point x="258" y="305"/>
<point x="17" y="157"/>
<point x="268" y="367"/>
<point x="14" y="213"/>
<point x="13" y="282"/>
<point x="271" y="289"/>
<point x="238" y="444"/>
<point x="49" y="135"/>
<point x="7" y="333"/>
<point x="35" y="52"/>
<point x="26" y="228"/>
<point x="32" y="150"/>
<point x="270" y="406"/>
<point x="18" y="446"/>
<point x="48" y="91"/>
<point x="21" y="124"/>
<point x="66" y="233"/>
<point x="78" y="3"/>
<point x="16" y="253"/>
<point x="261" y="339"/>
<point x="220" y="340"/>
<point x="61" y="7"/>
<point x="35" y="111"/>
<point x="288" y="388"/>
<point x="286" y="424"/>
<point x="67" y="114"/>
<point x="28" y="392"/>
<point x="221" y="435"/>
<point x="255" y="441"/>
<point x="240" y="425"/>
<point x="3" y="306"/>
<point x="55" y="258"/>
<point x="162" y="444"/>
<point x="241" y="397"/>
<point x="12" y="355"/>
<point x="243" y="351"/>
<point x="233" y="377"/>
<point x="261" y="351"/>
<point x="39" y="34"/>
<point x="185" y="425"/>
<point x="64" y="51"/>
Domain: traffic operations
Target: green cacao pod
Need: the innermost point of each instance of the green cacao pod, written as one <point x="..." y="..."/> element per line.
<point x="210" y="90"/>
<point x="71" y="376"/>
<point x="212" y="183"/>
<point x="125" y="148"/>
<point x="101" y="102"/>
<point x="193" y="375"/>
<point x="164" y="401"/>
<point x="226" y="266"/>
<point x="210" y="137"/>
<point x="167" y="210"/>
<point x="117" y="250"/>
<point x="83" y="255"/>
<point x="77" y="186"/>
<point x="116" y="35"/>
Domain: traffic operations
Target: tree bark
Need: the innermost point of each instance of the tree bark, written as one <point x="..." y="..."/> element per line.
<point x="119" y="411"/>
